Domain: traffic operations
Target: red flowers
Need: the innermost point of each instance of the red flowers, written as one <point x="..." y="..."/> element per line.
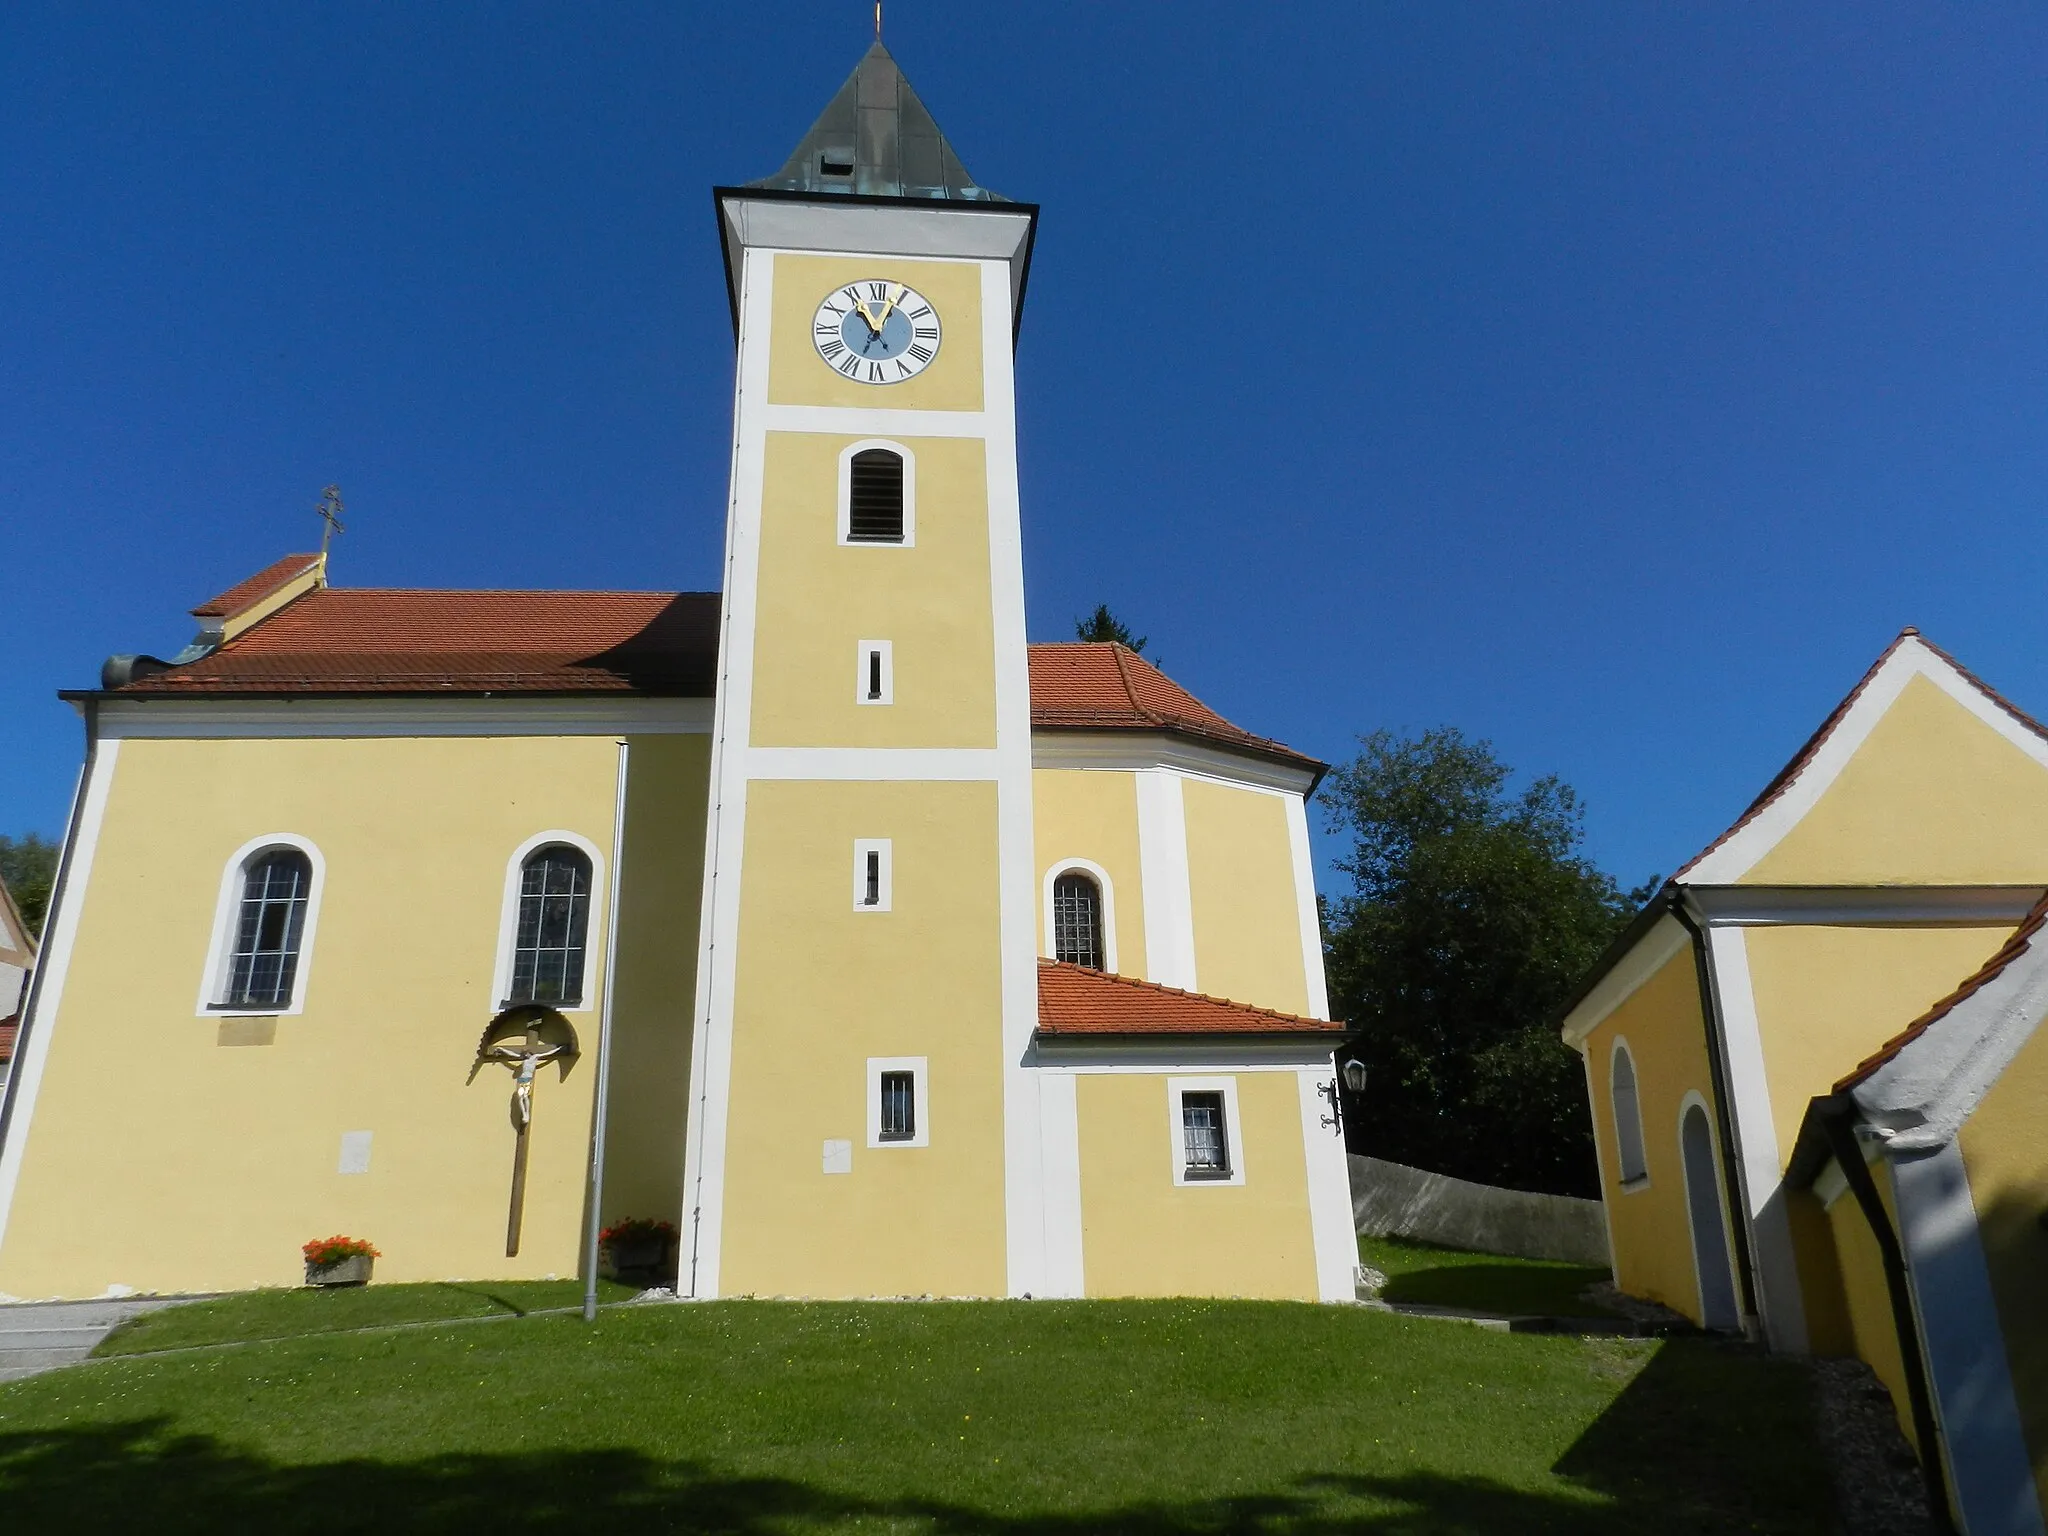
<point x="323" y="1251"/>
<point x="637" y="1229"/>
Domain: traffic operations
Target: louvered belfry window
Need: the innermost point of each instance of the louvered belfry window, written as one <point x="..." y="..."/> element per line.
<point x="1203" y="1136"/>
<point x="272" y="920"/>
<point x="874" y="512"/>
<point x="554" y="914"/>
<point x="1077" y="920"/>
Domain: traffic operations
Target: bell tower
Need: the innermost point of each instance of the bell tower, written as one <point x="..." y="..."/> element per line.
<point x="862" y="1118"/>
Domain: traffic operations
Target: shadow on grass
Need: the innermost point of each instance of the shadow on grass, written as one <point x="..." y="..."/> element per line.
<point x="1674" y="1453"/>
<point x="1511" y="1290"/>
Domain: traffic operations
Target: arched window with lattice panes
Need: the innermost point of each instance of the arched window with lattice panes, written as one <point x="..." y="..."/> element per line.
<point x="554" y="920"/>
<point x="1628" y="1117"/>
<point x="270" y="926"/>
<point x="1077" y="920"/>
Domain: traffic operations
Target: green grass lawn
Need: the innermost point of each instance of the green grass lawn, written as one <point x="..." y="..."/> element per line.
<point x="1480" y="1282"/>
<point x="952" y="1419"/>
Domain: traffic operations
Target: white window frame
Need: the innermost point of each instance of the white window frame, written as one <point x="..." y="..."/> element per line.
<point x="909" y="539"/>
<point x="227" y="911"/>
<point x="861" y="653"/>
<point x="1104" y="885"/>
<point x="1640" y="1180"/>
<point x="508" y="919"/>
<point x="1177" y="1089"/>
<point x="862" y="847"/>
<point x="921" y="1102"/>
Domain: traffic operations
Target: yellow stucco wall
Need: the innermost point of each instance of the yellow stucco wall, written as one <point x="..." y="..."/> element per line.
<point x="1934" y="796"/>
<point x="661" y="887"/>
<point x="817" y="599"/>
<point x="922" y="979"/>
<point x="162" y="1158"/>
<point x="1651" y="1228"/>
<point x="1241" y="881"/>
<point x="1866" y="1296"/>
<point x="2005" y="1151"/>
<point x="1145" y="1236"/>
<point x="798" y="376"/>
<point x="1093" y="814"/>
<point x="1828" y="997"/>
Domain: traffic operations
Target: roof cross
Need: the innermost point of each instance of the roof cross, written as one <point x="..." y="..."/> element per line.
<point x="329" y="512"/>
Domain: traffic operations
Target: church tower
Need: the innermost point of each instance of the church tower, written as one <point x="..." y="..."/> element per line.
<point x="862" y="1121"/>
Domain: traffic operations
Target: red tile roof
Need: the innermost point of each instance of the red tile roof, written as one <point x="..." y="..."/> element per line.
<point x="2018" y="944"/>
<point x="377" y="640"/>
<point x="244" y="594"/>
<point x="1075" y="1001"/>
<point x="10" y="1027"/>
<point x="1806" y="754"/>
<point x="1093" y="685"/>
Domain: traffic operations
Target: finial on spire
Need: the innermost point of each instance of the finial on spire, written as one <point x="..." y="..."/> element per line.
<point x="878" y="20"/>
<point x="329" y="512"/>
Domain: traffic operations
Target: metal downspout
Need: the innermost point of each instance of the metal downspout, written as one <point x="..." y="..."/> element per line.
<point x="1717" y="1067"/>
<point x="1836" y="1118"/>
<point x="59" y="890"/>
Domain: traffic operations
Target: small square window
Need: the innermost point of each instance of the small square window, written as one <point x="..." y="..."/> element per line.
<point x="1205" y="1140"/>
<point x="899" y="1112"/>
<point x="899" y="1106"/>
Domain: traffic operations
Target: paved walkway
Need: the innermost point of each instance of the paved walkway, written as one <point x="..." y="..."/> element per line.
<point x="42" y="1335"/>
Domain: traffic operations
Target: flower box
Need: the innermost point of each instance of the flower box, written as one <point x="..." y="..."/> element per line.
<point x="353" y="1270"/>
<point x="640" y="1252"/>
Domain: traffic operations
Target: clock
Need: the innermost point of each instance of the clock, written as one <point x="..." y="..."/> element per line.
<point x="876" y="332"/>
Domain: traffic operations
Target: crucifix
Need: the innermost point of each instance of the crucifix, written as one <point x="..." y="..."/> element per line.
<point x="523" y="1040"/>
<point x="329" y="512"/>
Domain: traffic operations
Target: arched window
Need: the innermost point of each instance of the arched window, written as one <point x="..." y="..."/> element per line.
<point x="554" y="916"/>
<point x="1628" y="1116"/>
<point x="264" y="960"/>
<point x="874" y="510"/>
<point x="1077" y="920"/>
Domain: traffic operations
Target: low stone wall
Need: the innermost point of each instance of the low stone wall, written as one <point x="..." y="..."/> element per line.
<point x="1393" y="1200"/>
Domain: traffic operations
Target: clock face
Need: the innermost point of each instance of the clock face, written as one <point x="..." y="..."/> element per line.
<point x="876" y="332"/>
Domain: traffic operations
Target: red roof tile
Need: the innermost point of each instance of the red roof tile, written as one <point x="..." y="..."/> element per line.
<point x="2018" y="944"/>
<point x="244" y="594"/>
<point x="375" y="640"/>
<point x="10" y="1027"/>
<point x="1101" y="684"/>
<point x="1075" y="1001"/>
<point x="1805" y="755"/>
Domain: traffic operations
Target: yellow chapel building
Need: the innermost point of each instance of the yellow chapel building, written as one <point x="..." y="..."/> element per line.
<point x="879" y="951"/>
<point x="1818" y="1074"/>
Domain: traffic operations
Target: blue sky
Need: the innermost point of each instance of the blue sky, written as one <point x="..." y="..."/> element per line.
<point x="1612" y="381"/>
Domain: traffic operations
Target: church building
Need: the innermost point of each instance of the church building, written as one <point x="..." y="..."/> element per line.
<point x="879" y="951"/>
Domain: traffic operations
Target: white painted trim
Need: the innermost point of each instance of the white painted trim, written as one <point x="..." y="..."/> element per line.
<point x="1117" y="750"/>
<point x="1177" y="1088"/>
<point x="890" y="424"/>
<point x="1779" y="1300"/>
<point x="1963" y="1345"/>
<point x="1606" y="1174"/>
<point x="875" y="764"/>
<point x="882" y="852"/>
<point x="1889" y="906"/>
<point x="60" y="944"/>
<point x="1724" y="1208"/>
<point x="1628" y="1183"/>
<point x="1134" y="1053"/>
<point x="921" y="1100"/>
<point x="1329" y="1189"/>
<point x="1830" y="1184"/>
<point x="1667" y="936"/>
<point x="909" y="539"/>
<point x="864" y="651"/>
<point x="1163" y="880"/>
<point x="1745" y="848"/>
<point x="227" y="911"/>
<point x="1104" y="885"/>
<point x="1065" y="1272"/>
<point x="996" y="234"/>
<point x="508" y="917"/>
<point x="1306" y="911"/>
<point x="237" y="719"/>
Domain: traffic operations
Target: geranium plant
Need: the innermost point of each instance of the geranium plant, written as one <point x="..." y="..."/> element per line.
<point x="323" y="1251"/>
<point x="638" y="1229"/>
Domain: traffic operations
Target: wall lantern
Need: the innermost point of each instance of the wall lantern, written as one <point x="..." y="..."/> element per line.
<point x="1354" y="1076"/>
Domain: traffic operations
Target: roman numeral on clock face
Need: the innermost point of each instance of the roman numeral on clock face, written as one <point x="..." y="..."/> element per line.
<point x="922" y="354"/>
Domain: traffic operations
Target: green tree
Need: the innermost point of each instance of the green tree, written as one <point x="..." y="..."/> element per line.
<point x="28" y="868"/>
<point x="1104" y="625"/>
<point x="1471" y="915"/>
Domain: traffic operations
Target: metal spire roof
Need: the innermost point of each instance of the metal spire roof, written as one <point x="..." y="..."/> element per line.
<point x="877" y="139"/>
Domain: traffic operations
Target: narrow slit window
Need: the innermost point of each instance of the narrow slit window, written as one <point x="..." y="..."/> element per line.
<point x="874" y="511"/>
<point x="872" y="889"/>
<point x="1077" y="920"/>
<point x="871" y="874"/>
<point x="1204" y="1138"/>
<point x="899" y="1106"/>
<point x="554" y="918"/>
<point x="874" y="672"/>
<point x="268" y="929"/>
<point x="1628" y="1118"/>
<point x="874" y="677"/>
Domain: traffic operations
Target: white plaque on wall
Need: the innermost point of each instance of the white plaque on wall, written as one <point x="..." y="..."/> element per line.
<point x="355" y="1152"/>
<point x="838" y="1157"/>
